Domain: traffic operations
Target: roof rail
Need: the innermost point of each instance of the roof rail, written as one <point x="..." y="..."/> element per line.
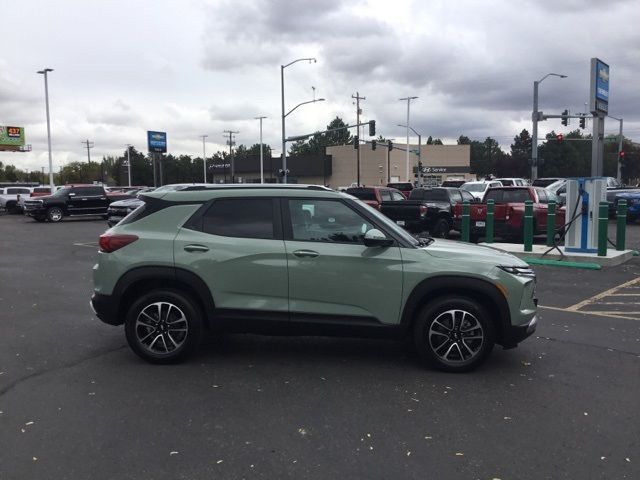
<point x="274" y="186"/>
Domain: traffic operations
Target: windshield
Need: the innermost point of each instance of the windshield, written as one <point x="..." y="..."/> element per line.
<point x="388" y="224"/>
<point x="169" y="188"/>
<point x="474" y="187"/>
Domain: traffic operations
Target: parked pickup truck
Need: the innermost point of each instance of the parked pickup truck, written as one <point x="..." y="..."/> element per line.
<point x="509" y="212"/>
<point x="427" y="209"/>
<point x="9" y="197"/>
<point x="71" y="200"/>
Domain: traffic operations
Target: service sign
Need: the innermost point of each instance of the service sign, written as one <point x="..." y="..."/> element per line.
<point x="11" y="136"/>
<point x="157" y="142"/>
<point x="599" y="92"/>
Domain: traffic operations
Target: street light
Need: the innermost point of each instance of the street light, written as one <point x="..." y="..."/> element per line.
<point x="46" y="96"/>
<point x="408" y="99"/>
<point x="535" y="117"/>
<point x="261" y="153"/>
<point x="284" y="144"/>
<point x="204" y="157"/>
<point x="419" y="152"/>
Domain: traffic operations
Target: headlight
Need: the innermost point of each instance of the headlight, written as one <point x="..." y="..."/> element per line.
<point x="520" y="271"/>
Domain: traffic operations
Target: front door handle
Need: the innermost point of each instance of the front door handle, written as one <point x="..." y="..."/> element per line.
<point x="306" y="253"/>
<point x="195" y="248"/>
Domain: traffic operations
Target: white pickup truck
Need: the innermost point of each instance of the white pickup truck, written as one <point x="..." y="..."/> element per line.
<point x="9" y="198"/>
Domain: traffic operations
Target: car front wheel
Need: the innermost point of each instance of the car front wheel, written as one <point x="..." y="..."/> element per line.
<point x="454" y="334"/>
<point x="164" y="326"/>
<point x="441" y="228"/>
<point x="55" y="214"/>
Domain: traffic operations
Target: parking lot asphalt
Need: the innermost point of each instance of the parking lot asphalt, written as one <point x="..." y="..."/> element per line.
<point x="76" y="403"/>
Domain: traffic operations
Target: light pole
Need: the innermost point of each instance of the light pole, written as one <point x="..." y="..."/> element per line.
<point x="204" y="157"/>
<point x="535" y="118"/>
<point x="230" y="142"/>
<point x="129" y="162"/>
<point x="46" y="97"/>
<point x="408" y="99"/>
<point x="261" y="152"/>
<point x="419" y="153"/>
<point x="284" y="143"/>
<point x="619" y="174"/>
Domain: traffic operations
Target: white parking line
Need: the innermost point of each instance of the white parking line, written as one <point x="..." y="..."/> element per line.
<point x="86" y="244"/>
<point x="601" y="295"/>
<point x="622" y="315"/>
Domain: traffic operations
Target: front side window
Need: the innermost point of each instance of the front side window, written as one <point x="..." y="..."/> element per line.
<point x="385" y="195"/>
<point x="240" y="217"/>
<point x="326" y="221"/>
<point x="397" y="196"/>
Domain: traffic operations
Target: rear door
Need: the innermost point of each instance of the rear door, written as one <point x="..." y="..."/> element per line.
<point x="333" y="276"/>
<point x="236" y="247"/>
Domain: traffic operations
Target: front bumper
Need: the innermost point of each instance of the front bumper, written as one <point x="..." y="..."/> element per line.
<point x="517" y="333"/>
<point x="105" y="308"/>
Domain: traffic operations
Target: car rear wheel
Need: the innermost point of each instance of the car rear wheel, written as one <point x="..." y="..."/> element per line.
<point x="454" y="334"/>
<point x="441" y="228"/>
<point x="55" y="214"/>
<point x="164" y="326"/>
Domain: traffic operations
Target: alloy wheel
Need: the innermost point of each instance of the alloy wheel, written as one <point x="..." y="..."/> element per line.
<point x="456" y="336"/>
<point x="161" y="328"/>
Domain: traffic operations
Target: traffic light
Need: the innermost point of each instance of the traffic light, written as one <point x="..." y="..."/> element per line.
<point x="372" y="128"/>
<point x="559" y="138"/>
<point x="565" y="120"/>
<point x="356" y="142"/>
<point x="390" y="145"/>
<point x="374" y="144"/>
<point x="583" y="122"/>
<point x="621" y="156"/>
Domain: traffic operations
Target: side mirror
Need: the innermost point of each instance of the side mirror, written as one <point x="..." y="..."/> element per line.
<point x="375" y="238"/>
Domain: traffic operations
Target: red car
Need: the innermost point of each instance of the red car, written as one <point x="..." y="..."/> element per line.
<point x="404" y="187"/>
<point x="508" y="212"/>
<point x="374" y="196"/>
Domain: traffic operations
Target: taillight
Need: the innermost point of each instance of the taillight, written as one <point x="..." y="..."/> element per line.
<point x="423" y="210"/>
<point x="114" y="241"/>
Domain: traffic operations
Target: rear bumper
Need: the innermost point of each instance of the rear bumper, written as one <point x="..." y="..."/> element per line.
<point x="516" y="334"/>
<point x="105" y="308"/>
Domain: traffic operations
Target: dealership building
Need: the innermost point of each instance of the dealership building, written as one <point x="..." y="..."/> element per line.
<point x="338" y="167"/>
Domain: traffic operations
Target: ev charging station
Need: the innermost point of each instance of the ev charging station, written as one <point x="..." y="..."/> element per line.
<point x="584" y="195"/>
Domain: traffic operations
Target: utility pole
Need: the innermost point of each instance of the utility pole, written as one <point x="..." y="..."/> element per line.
<point x="261" y="152"/>
<point x="357" y="98"/>
<point x="408" y="99"/>
<point x="46" y="97"/>
<point x="204" y="157"/>
<point x="88" y="145"/>
<point x="230" y="142"/>
<point x="129" y="162"/>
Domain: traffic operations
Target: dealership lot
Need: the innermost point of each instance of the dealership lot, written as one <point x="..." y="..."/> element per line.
<point x="77" y="403"/>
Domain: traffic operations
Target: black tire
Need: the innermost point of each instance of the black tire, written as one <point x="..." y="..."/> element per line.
<point x="12" y="208"/>
<point x="474" y="237"/>
<point x="469" y="320"/>
<point x="55" y="214"/>
<point x="40" y="219"/>
<point x="441" y="228"/>
<point x="144" y="332"/>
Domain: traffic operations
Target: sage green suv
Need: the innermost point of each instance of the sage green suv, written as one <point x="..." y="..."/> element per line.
<point x="306" y="260"/>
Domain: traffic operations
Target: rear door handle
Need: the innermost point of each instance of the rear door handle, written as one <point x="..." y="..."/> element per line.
<point x="306" y="253"/>
<point x="195" y="248"/>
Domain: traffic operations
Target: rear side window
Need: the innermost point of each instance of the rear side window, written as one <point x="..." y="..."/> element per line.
<point x="240" y="217"/>
<point x="17" y="190"/>
<point x="362" y="193"/>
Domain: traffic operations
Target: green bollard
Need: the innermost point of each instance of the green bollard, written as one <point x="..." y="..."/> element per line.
<point x="489" y="224"/>
<point x="603" y="219"/>
<point x="528" y="226"/>
<point x="551" y="223"/>
<point x="621" y="230"/>
<point x="466" y="221"/>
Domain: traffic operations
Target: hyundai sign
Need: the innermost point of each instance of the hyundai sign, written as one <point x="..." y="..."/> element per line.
<point x="157" y="142"/>
<point x="599" y="92"/>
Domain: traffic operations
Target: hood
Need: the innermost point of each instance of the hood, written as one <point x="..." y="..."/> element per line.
<point x="130" y="202"/>
<point x="474" y="253"/>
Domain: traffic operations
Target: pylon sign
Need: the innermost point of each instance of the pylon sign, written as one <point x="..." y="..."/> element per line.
<point x="599" y="91"/>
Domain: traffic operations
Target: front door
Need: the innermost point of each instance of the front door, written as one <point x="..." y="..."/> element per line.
<point x="236" y="247"/>
<point x="333" y="276"/>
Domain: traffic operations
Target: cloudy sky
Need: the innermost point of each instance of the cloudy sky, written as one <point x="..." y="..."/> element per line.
<point x="194" y="67"/>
